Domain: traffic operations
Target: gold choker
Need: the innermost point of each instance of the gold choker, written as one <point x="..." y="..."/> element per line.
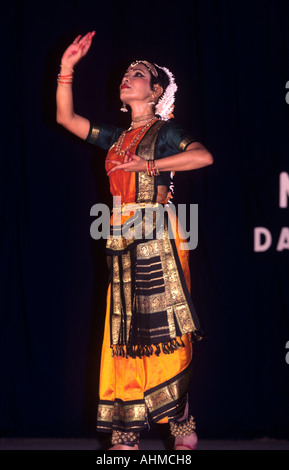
<point x="142" y="118"/>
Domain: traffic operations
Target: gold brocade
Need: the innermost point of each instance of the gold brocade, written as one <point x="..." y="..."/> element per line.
<point x="146" y="190"/>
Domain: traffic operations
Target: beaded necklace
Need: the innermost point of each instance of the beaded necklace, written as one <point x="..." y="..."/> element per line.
<point x="119" y="142"/>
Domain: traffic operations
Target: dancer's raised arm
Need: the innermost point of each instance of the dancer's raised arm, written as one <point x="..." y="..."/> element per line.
<point x="65" y="114"/>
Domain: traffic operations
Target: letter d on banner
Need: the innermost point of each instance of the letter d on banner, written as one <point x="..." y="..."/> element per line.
<point x="258" y="246"/>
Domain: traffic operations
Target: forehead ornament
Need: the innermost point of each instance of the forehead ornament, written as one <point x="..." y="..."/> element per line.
<point x="148" y="65"/>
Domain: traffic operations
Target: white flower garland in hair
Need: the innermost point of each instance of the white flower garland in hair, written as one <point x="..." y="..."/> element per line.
<point x="165" y="105"/>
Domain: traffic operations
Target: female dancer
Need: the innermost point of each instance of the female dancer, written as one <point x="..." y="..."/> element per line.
<point x="150" y="322"/>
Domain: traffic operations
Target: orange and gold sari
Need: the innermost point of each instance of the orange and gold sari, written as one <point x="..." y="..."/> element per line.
<point x="150" y="319"/>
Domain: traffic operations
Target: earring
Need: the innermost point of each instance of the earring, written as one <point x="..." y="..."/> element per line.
<point x="152" y="103"/>
<point x="124" y="108"/>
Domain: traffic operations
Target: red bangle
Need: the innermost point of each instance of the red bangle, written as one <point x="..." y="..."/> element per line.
<point x="63" y="83"/>
<point x="149" y="172"/>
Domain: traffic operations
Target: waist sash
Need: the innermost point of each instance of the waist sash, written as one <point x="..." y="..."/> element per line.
<point x="151" y="307"/>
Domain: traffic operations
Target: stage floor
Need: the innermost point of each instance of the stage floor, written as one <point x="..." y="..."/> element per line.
<point x="146" y="444"/>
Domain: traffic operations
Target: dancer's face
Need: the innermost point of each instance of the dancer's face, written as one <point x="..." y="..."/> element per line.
<point x="135" y="85"/>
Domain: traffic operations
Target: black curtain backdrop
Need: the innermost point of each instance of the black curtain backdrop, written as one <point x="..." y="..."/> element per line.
<point x="231" y="63"/>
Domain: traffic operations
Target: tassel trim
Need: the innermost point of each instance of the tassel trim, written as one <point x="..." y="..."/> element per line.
<point x="140" y="351"/>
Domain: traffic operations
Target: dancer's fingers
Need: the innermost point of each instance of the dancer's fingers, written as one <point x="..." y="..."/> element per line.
<point x="76" y="39"/>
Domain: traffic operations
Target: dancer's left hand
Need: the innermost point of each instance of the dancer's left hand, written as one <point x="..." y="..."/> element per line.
<point x="131" y="162"/>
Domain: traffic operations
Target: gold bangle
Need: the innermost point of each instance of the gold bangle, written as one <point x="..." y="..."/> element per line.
<point x="65" y="86"/>
<point x="68" y="68"/>
<point x="155" y="168"/>
<point x="62" y="80"/>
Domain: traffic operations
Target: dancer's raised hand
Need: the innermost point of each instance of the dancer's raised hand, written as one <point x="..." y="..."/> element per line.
<point x="77" y="50"/>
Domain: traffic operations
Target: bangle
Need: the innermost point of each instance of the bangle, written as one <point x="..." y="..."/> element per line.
<point x="64" y="85"/>
<point x="152" y="169"/>
<point x="61" y="82"/>
<point x="68" y="68"/>
<point x="64" y="79"/>
<point x="65" y="76"/>
<point x="155" y="168"/>
<point x="149" y="169"/>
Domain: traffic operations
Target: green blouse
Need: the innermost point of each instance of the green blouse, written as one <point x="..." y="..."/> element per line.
<point x="171" y="139"/>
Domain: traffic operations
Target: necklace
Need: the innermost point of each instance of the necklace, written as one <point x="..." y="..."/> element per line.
<point x="138" y="119"/>
<point x="119" y="143"/>
<point x="143" y="118"/>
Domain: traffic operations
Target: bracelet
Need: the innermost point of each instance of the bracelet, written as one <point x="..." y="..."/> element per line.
<point x="64" y="76"/>
<point x="60" y="82"/>
<point x="64" y="79"/>
<point x="152" y="169"/>
<point x="149" y="171"/>
<point x="155" y="168"/>
<point x="65" y="82"/>
<point x="65" y="86"/>
<point x="68" y="68"/>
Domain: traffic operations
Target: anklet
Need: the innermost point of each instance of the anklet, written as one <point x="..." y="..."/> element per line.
<point x="183" y="428"/>
<point x="125" y="438"/>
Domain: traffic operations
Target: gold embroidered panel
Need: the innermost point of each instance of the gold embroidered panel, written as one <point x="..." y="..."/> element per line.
<point x="145" y="184"/>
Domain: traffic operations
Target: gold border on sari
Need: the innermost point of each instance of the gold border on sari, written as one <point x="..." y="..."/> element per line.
<point x="163" y="399"/>
<point x="123" y="412"/>
<point x="146" y="150"/>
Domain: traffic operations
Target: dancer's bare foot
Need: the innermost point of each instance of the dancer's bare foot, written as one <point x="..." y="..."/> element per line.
<point x="122" y="447"/>
<point x="187" y="442"/>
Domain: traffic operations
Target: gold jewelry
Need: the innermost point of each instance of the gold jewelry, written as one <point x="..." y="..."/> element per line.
<point x="143" y="118"/>
<point x="62" y="84"/>
<point x="183" y="428"/>
<point x="155" y="170"/>
<point x="119" y="142"/>
<point x="148" y="65"/>
<point x="124" y="438"/>
<point x="65" y="66"/>
<point x="152" y="169"/>
<point x="135" y="122"/>
<point x="152" y="102"/>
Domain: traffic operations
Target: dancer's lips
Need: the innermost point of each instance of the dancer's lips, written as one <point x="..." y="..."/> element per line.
<point x="124" y="86"/>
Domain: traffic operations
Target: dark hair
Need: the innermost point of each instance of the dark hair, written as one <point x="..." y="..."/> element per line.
<point x="162" y="79"/>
